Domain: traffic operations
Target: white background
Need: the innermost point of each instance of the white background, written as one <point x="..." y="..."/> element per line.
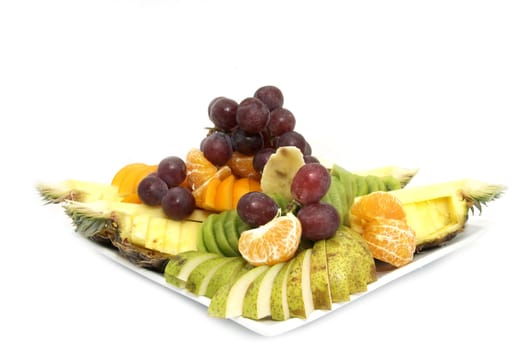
<point x="87" y="86"/>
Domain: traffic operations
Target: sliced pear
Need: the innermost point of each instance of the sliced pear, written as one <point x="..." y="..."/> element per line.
<point x="227" y="302"/>
<point x="339" y="270"/>
<point x="278" y="172"/>
<point x="225" y="275"/>
<point x="279" y="307"/>
<point x="180" y="266"/>
<point x="299" y="296"/>
<point x="319" y="277"/>
<point x="257" y="300"/>
<point x="198" y="280"/>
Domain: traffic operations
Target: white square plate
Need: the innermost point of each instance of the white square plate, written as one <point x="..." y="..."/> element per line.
<point x="273" y="328"/>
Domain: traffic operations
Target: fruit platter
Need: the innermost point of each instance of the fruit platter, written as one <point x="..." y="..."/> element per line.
<point x="252" y="223"/>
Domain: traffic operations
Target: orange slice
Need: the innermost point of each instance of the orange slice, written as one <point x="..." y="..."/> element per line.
<point x="205" y="194"/>
<point x="242" y="166"/>
<point x="390" y="240"/>
<point x="199" y="168"/>
<point x="274" y="242"/>
<point x="378" y="204"/>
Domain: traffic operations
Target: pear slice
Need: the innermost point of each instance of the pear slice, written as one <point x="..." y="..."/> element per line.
<point x="299" y="296"/>
<point x="278" y="172"/>
<point x="225" y="275"/>
<point x="319" y="277"/>
<point x="257" y="300"/>
<point x="181" y="265"/>
<point x="227" y="302"/>
<point x="199" y="278"/>
<point x="339" y="270"/>
<point x="363" y="270"/>
<point x="279" y="307"/>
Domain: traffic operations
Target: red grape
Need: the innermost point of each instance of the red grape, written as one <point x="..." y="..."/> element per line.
<point x="252" y="115"/>
<point x="151" y="190"/>
<point x="319" y="221"/>
<point x="271" y="96"/>
<point x="245" y="142"/>
<point x="217" y="148"/>
<point x="281" y="121"/>
<point x="172" y="170"/>
<point x="310" y="183"/>
<point x="178" y="203"/>
<point x="222" y="113"/>
<point x="292" y="138"/>
<point x="256" y="208"/>
<point x="261" y="157"/>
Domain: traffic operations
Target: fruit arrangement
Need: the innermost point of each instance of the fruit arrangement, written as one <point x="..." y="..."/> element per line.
<point x="251" y="219"/>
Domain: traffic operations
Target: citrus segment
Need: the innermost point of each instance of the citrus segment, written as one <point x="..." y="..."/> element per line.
<point x="390" y="240"/>
<point x="223" y="200"/>
<point x="378" y="204"/>
<point x="242" y="165"/>
<point x="205" y="194"/>
<point x="199" y="168"/>
<point x="123" y="171"/>
<point x="274" y="242"/>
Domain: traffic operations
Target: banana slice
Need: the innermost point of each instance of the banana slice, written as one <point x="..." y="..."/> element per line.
<point x="278" y="173"/>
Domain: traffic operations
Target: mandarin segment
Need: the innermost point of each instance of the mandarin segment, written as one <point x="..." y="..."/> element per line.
<point x="274" y="242"/>
<point x="242" y="166"/>
<point x="199" y="168"/>
<point x="376" y="204"/>
<point x="390" y="240"/>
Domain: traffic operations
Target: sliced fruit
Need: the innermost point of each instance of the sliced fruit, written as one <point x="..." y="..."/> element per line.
<point x="80" y="191"/>
<point x="205" y="194"/>
<point x="257" y="300"/>
<point x="225" y="275"/>
<point x="438" y="212"/>
<point x="274" y="242"/>
<point x="279" y="306"/>
<point x="242" y="166"/>
<point x="339" y="270"/>
<point x="279" y="171"/>
<point x="199" y="168"/>
<point x="299" y="297"/>
<point x="129" y="227"/>
<point x="180" y="266"/>
<point x="320" y="292"/>
<point x="390" y="240"/>
<point x="375" y="205"/>
<point x="223" y="198"/>
<point x="227" y="302"/>
<point x="198" y="280"/>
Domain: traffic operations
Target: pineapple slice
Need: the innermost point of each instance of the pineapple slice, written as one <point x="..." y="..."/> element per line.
<point x="438" y="212"/>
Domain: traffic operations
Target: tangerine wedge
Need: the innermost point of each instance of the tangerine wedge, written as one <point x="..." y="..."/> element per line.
<point x="272" y="243"/>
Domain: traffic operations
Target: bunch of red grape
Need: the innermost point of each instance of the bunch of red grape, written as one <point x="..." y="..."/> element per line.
<point x="256" y="126"/>
<point x="164" y="188"/>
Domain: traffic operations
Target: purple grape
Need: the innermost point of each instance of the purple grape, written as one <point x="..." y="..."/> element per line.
<point x="178" y="203"/>
<point x="252" y="116"/>
<point x="222" y="113"/>
<point x="172" y="170"/>
<point x="281" y="121"/>
<point x="261" y="157"/>
<point x="217" y="148"/>
<point x="271" y="96"/>
<point x="151" y="190"/>
<point x="246" y="143"/>
<point x="292" y="138"/>
<point x="256" y="208"/>
<point x="310" y="183"/>
<point x="318" y="220"/>
<point x="310" y="159"/>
